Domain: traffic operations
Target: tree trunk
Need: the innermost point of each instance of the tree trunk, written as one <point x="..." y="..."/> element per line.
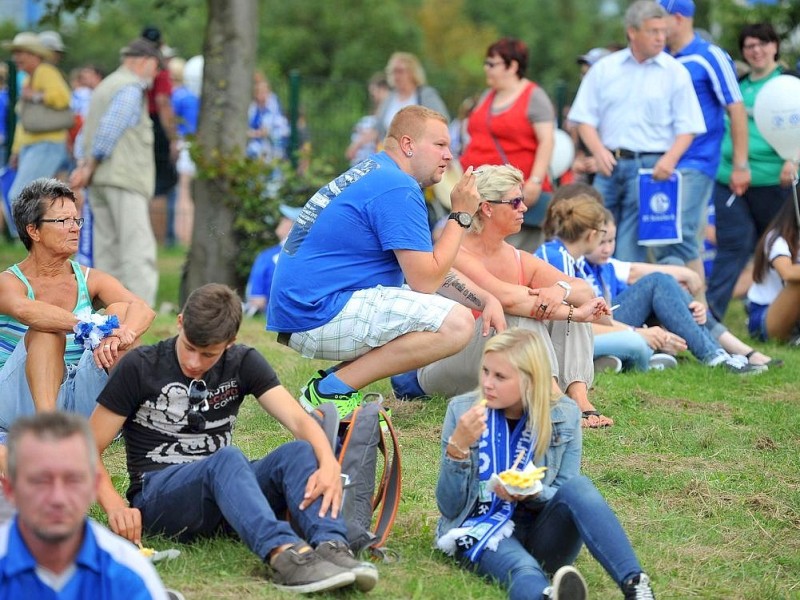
<point x="229" y="54"/>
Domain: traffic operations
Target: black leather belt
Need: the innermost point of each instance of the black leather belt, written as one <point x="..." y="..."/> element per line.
<point x="283" y="338"/>
<point x="630" y="154"/>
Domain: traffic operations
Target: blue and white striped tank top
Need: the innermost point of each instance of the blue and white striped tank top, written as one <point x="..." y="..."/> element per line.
<point x="12" y="331"/>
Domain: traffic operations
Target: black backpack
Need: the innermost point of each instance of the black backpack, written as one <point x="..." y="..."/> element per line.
<point x="371" y="497"/>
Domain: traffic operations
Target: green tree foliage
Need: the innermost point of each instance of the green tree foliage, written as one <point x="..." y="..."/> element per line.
<point x="453" y="47"/>
<point x="725" y="18"/>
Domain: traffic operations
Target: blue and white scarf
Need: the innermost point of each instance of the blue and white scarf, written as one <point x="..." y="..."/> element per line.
<point x="490" y="521"/>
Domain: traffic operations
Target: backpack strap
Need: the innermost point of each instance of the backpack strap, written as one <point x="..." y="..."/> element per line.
<point x="328" y="418"/>
<point x="390" y="493"/>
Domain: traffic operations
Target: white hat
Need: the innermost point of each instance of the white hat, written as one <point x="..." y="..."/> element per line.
<point x="593" y="55"/>
<point x="27" y="41"/>
<point x="52" y="41"/>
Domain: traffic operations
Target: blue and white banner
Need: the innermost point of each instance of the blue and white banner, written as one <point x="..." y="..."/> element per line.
<point x="85" y="254"/>
<point x="659" y="209"/>
<point x="7" y="175"/>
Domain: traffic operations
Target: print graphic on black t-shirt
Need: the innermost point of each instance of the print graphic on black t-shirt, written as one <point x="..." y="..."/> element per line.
<point x="150" y="390"/>
<point x="168" y="414"/>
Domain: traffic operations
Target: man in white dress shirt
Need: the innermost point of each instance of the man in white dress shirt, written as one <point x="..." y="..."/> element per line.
<point x="636" y="109"/>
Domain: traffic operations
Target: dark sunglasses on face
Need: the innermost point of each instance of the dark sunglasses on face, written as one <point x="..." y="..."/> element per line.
<point x="198" y="403"/>
<point x="514" y="202"/>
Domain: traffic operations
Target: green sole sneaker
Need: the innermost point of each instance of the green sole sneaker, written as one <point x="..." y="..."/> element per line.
<point x="311" y="398"/>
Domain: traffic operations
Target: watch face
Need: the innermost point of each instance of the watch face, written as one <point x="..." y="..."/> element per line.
<point x="464" y="219"/>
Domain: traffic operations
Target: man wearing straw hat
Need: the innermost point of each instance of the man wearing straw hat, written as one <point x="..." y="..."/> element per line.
<point x="37" y="154"/>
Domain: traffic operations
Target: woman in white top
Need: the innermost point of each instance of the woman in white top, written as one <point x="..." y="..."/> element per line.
<point x="774" y="297"/>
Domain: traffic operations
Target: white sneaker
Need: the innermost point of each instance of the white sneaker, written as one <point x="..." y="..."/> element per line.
<point x="568" y="584"/>
<point x="660" y="361"/>
<point x="734" y="364"/>
<point x="607" y="363"/>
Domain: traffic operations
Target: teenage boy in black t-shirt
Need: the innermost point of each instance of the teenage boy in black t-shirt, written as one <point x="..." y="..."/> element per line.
<point x="176" y="403"/>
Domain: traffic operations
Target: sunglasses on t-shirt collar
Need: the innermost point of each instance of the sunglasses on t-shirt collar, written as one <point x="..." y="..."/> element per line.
<point x="198" y="404"/>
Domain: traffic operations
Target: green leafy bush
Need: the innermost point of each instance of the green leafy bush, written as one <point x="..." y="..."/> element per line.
<point x="256" y="189"/>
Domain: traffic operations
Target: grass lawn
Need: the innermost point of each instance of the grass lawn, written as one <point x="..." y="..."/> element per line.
<point x="702" y="469"/>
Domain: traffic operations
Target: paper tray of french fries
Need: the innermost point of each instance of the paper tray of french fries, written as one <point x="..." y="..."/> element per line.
<point x="519" y="482"/>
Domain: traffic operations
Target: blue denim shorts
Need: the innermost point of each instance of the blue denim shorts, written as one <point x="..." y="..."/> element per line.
<point x="79" y="389"/>
<point x="757" y="321"/>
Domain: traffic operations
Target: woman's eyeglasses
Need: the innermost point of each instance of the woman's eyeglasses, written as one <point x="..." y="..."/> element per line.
<point x="198" y="403"/>
<point x="514" y="202"/>
<point x="754" y="45"/>
<point x="66" y="223"/>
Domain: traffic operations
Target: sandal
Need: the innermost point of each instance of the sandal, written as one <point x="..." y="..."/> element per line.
<point x="772" y="363"/>
<point x="595" y="413"/>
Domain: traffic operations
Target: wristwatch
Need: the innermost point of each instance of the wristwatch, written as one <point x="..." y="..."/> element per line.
<point x="462" y="218"/>
<point x="567" y="288"/>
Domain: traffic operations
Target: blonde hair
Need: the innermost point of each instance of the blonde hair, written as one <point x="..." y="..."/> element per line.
<point x="411" y="121"/>
<point x="526" y="352"/>
<point x="493" y="183"/>
<point x="410" y="62"/>
<point x="175" y="68"/>
<point x="570" y="218"/>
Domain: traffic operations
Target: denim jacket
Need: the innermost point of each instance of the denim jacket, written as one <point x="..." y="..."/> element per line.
<point x="457" y="488"/>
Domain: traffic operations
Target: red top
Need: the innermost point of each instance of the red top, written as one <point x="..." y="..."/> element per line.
<point x="162" y="85"/>
<point x="510" y="128"/>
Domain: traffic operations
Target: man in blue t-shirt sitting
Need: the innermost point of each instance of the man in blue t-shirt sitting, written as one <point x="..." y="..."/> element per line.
<point x="260" y="281"/>
<point x="338" y="291"/>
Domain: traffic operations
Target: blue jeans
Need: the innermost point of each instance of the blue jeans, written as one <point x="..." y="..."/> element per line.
<point x="226" y="490"/>
<point x="621" y="196"/>
<point x="740" y="222"/>
<point x="42" y="159"/>
<point x="630" y="347"/>
<point x="542" y="543"/>
<point x="696" y="189"/>
<point x="659" y="295"/>
<point x="81" y="385"/>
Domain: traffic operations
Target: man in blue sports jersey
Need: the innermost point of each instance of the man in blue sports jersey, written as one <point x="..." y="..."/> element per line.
<point x="714" y="79"/>
<point x="50" y="548"/>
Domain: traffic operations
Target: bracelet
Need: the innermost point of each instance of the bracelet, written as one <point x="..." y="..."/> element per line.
<point x="745" y="166"/>
<point x="452" y="443"/>
<point x="569" y="316"/>
<point x="536" y="179"/>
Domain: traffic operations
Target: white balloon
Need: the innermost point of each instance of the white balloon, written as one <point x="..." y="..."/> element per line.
<point x="563" y="154"/>
<point x="777" y="115"/>
<point x="193" y="74"/>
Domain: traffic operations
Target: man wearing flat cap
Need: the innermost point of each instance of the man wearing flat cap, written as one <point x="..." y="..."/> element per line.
<point x="115" y="160"/>
<point x="37" y="154"/>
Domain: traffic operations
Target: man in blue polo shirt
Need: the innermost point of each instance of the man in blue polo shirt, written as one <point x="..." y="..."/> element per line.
<point x="714" y="79"/>
<point x="50" y="549"/>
